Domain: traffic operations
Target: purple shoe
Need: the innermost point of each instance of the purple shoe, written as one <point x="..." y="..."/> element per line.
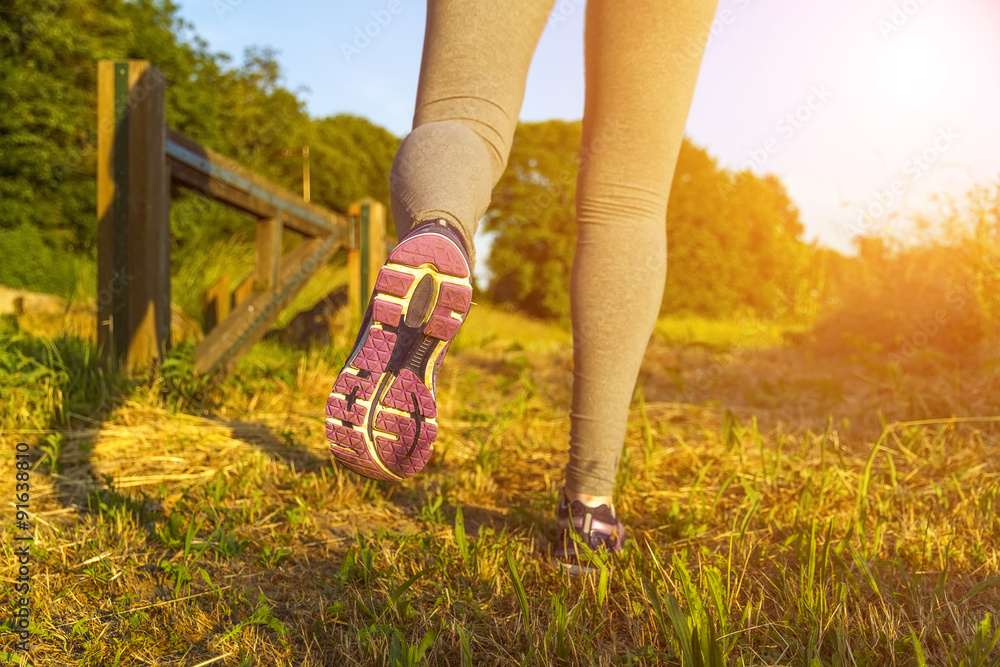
<point x="598" y="528"/>
<point x="381" y="415"/>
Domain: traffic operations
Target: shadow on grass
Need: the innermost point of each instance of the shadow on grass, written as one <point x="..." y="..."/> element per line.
<point x="55" y="395"/>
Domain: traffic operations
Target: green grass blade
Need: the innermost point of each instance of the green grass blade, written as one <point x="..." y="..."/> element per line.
<point x="463" y="639"/>
<point x="866" y="571"/>
<point x="602" y="585"/>
<point x="682" y="629"/>
<point x="417" y="652"/>
<point x="918" y="650"/>
<point x="653" y="596"/>
<point x="463" y="545"/>
<point x="522" y="597"/>
<point x="688" y="589"/>
<point x="866" y="475"/>
<point x="713" y="579"/>
<point x="979" y="588"/>
<point x="403" y="587"/>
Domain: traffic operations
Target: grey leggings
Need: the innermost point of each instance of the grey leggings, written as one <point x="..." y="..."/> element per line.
<point x="642" y="59"/>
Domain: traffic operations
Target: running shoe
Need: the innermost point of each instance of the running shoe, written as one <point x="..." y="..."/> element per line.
<point x="598" y="528"/>
<point x="382" y="415"/>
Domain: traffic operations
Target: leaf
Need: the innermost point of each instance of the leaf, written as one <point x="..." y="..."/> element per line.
<point x="714" y="581"/>
<point x="653" y="595"/>
<point x="403" y="587"/>
<point x="979" y="588"/>
<point x="602" y="585"/>
<point x="463" y="638"/>
<point x="426" y="642"/>
<point x="395" y="598"/>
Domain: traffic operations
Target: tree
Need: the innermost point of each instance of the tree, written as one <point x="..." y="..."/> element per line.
<point x="734" y="239"/>
<point x="533" y="215"/>
<point x="49" y="51"/>
<point x="356" y="158"/>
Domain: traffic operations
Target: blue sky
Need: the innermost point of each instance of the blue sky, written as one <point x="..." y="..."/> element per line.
<point x="865" y="109"/>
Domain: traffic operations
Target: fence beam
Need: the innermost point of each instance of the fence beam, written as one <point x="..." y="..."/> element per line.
<point x="251" y="318"/>
<point x="367" y="253"/>
<point x="212" y="175"/>
<point x="133" y="231"/>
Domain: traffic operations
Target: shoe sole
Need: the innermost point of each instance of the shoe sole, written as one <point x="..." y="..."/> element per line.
<point x="382" y="413"/>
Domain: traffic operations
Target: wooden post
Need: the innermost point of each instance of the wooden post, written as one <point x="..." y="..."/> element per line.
<point x="243" y="291"/>
<point x="268" y="253"/>
<point x="133" y="232"/>
<point x="376" y="239"/>
<point x="306" y="185"/>
<point x="217" y="302"/>
<point x="368" y="251"/>
<point x="353" y="266"/>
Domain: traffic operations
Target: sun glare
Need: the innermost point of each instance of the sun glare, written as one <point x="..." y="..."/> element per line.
<point x="912" y="73"/>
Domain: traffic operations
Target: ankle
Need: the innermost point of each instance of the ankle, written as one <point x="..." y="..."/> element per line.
<point x="446" y="226"/>
<point x="588" y="499"/>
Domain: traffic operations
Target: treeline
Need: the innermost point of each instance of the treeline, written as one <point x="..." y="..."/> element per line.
<point x="734" y="239"/>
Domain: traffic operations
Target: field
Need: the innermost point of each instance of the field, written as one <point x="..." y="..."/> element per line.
<point x="785" y="506"/>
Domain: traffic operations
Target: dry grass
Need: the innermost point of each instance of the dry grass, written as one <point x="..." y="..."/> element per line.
<point x="804" y="507"/>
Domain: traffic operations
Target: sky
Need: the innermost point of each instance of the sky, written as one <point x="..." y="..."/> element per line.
<point x="865" y="109"/>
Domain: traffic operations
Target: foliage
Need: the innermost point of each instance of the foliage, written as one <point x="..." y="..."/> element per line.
<point x="534" y="218"/>
<point x="49" y="51"/>
<point x="356" y="156"/>
<point x="982" y="241"/>
<point x="735" y="239"/>
<point x="29" y="262"/>
<point x="912" y="302"/>
<point x="903" y="302"/>
<point x="43" y="380"/>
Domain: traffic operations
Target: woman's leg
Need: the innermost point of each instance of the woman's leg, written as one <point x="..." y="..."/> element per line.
<point x="472" y="77"/>
<point x="382" y="411"/>
<point x="642" y="61"/>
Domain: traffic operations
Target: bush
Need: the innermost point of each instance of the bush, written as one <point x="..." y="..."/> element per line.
<point x="902" y="303"/>
<point x="30" y="263"/>
<point x="981" y="236"/>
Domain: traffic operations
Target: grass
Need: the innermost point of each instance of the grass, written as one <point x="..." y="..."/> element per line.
<point x="724" y="334"/>
<point x="784" y="507"/>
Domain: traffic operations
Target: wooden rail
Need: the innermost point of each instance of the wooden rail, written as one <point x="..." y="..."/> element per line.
<point x="138" y="157"/>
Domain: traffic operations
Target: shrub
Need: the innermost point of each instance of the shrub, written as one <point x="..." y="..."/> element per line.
<point x="30" y="263"/>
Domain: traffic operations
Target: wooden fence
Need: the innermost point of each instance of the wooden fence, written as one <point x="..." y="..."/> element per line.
<point x="138" y="159"/>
